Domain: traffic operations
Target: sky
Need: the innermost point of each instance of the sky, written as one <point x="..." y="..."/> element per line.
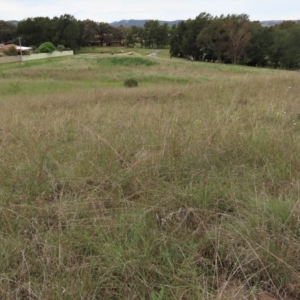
<point x="166" y="10"/>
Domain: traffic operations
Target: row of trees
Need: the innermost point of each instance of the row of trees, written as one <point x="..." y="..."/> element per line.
<point x="152" y="35"/>
<point x="64" y="30"/>
<point x="231" y="39"/>
<point x="235" y="39"/>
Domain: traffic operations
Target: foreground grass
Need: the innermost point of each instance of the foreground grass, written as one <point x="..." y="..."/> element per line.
<point x="174" y="190"/>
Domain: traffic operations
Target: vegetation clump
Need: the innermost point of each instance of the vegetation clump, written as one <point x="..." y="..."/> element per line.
<point x="130" y="82"/>
<point x="60" y="48"/>
<point x="11" y="51"/>
<point x="46" y="47"/>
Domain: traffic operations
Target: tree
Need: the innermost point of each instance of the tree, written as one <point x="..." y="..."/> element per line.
<point x="67" y="31"/>
<point x="193" y="28"/>
<point x="163" y="35"/>
<point x="130" y="40"/>
<point x="276" y="50"/>
<point x="177" y="33"/>
<point x="90" y="32"/>
<point x="35" y="30"/>
<point x="71" y="35"/>
<point x="291" y="55"/>
<point x="237" y="37"/>
<point x="7" y="31"/>
<point x="108" y="33"/>
<point x="210" y="40"/>
<point x="151" y="33"/>
<point x="184" y="35"/>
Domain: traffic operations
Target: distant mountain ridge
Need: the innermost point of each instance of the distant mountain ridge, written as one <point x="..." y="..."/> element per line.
<point x="140" y="23"/>
<point x="14" y="22"/>
<point x="275" y="22"/>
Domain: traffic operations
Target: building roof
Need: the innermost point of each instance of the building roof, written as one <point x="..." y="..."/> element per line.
<point x="23" y="48"/>
<point x="7" y="46"/>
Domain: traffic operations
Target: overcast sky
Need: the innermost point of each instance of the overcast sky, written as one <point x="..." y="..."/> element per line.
<point x="166" y="10"/>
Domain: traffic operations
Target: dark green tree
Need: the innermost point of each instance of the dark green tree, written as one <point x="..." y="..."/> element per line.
<point x="177" y="33"/>
<point x="71" y="35"/>
<point x="162" y="38"/>
<point x="67" y="31"/>
<point x="211" y="40"/>
<point x="291" y="55"/>
<point x="184" y="35"/>
<point x="151" y="33"/>
<point x="130" y="40"/>
<point x="193" y="28"/>
<point x="34" y="31"/>
<point x="7" y="31"/>
<point x="276" y="50"/>
<point x="259" y="44"/>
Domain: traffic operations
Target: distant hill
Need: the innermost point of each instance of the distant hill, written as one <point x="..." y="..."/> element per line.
<point x="14" y="22"/>
<point x="140" y="23"/>
<point x="275" y="22"/>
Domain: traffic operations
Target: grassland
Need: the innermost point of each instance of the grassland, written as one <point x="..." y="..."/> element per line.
<point x="186" y="187"/>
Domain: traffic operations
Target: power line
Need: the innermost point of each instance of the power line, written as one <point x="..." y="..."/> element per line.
<point x="9" y="42"/>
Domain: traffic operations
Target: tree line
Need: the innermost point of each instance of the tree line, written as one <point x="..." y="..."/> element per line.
<point x="235" y="39"/>
<point x="72" y="33"/>
<point x="228" y="39"/>
<point x="64" y="30"/>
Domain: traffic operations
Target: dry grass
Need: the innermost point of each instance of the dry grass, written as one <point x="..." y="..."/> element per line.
<point x="191" y="192"/>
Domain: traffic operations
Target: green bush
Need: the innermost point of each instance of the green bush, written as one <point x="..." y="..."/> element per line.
<point x="46" y="47"/>
<point x="130" y="82"/>
<point x="11" y="51"/>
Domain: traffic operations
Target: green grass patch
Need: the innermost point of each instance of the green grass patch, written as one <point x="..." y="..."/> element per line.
<point x="126" y="61"/>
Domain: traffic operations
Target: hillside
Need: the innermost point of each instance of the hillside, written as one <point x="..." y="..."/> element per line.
<point x="184" y="187"/>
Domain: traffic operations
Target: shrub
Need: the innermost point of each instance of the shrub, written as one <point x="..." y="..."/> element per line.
<point x="60" y="48"/>
<point x="46" y="47"/>
<point x="11" y="51"/>
<point x="130" y="82"/>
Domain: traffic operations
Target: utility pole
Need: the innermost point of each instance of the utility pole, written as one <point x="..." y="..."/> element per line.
<point x="20" y="48"/>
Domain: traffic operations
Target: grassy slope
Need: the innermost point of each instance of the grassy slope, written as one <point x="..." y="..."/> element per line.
<point x="187" y="186"/>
